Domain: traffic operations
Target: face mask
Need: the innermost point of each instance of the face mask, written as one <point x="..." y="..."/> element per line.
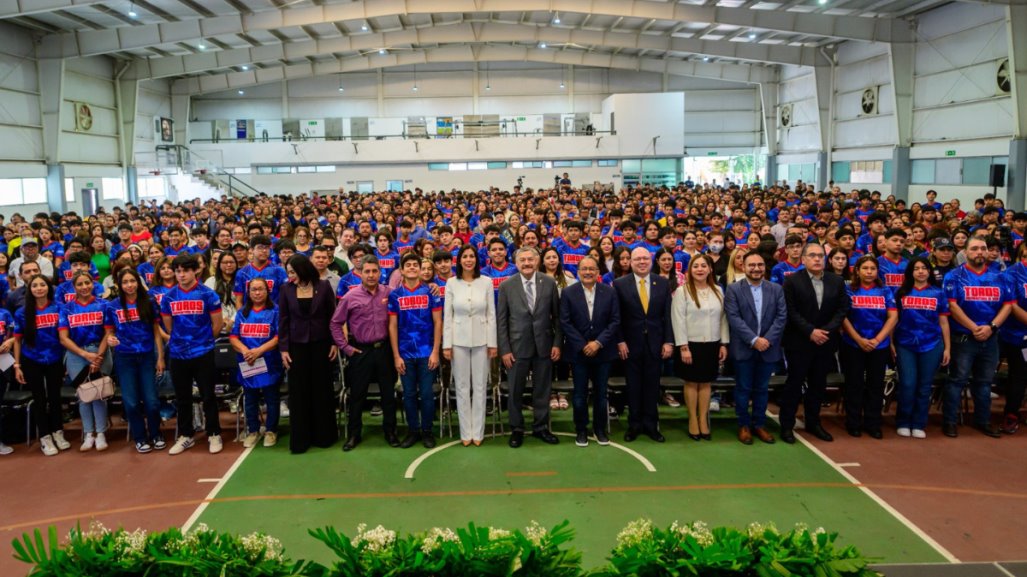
<point x="716" y="248"/>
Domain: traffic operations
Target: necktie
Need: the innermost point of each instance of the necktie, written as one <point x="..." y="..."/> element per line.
<point x="643" y="294"/>
<point x="529" y="290"/>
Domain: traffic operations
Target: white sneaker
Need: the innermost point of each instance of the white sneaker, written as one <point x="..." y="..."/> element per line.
<point x="46" y="443"/>
<point x="5" y="449"/>
<point x="101" y="442"/>
<point x="60" y="441"/>
<point x="181" y="444"/>
<point x="270" y="439"/>
<point x="903" y="431"/>
<point x="215" y="444"/>
<point x="88" y="442"/>
<point x="283" y="410"/>
<point x="919" y="434"/>
<point x="715" y="405"/>
<point x="250" y="440"/>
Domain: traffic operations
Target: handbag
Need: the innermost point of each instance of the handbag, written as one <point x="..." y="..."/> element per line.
<point x="96" y="387"/>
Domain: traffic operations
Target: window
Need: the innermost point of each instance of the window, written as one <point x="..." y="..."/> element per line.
<point x="562" y="164"/>
<point x="69" y="189"/>
<point x="10" y="191"/>
<point x="325" y="168"/>
<point x="394" y="186"/>
<point x="305" y="169"/>
<point x="113" y="188"/>
<point x="263" y="170"/>
<point x="34" y="190"/>
<point x="581" y="163"/>
<point x="477" y="165"/>
<point x="868" y="172"/>
<point x="977" y="170"/>
<point x="632" y="165"/>
<point x="438" y="166"/>
<point x="244" y="170"/>
<point x="458" y="166"/>
<point x="948" y="171"/>
<point x="922" y="171"/>
<point x="840" y="171"/>
<point x="152" y="187"/>
<point x="607" y="163"/>
<point x="496" y="165"/>
<point x="282" y="169"/>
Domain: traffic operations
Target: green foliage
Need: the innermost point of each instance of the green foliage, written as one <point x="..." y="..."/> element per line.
<point x="643" y="550"/>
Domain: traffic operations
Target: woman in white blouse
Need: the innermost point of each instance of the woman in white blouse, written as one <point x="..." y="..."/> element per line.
<point x="701" y="333"/>
<point x="469" y="341"/>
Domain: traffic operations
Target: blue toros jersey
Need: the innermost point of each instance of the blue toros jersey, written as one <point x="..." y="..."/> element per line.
<point x="254" y="330"/>
<point x="979" y="295"/>
<point x="402" y="246"/>
<point x="1013" y="331"/>
<point x="869" y="311"/>
<point x="7" y="326"/>
<point x="275" y="276"/>
<point x="783" y="270"/>
<point x="919" y="311"/>
<point x="865" y="243"/>
<point x="681" y="261"/>
<point x="64" y="271"/>
<point x="57" y="249"/>
<point x="136" y="336"/>
<point x="192" y="333"/>
<point x="146" y="271"/>
<point x="891" y="272"/>
<point x="65" y="292"/>
<point x="173" y="252"/>
<point x="83" y="321"/>
<point x="157" y="293"/>
<point x="348" y="282"/>
<point x="570" y="256"/>
<point x="5" y="288"/>
<point x="388" y="263"/>
<point x="47" y="348"/>
<point x="414" y="307"/>
<point x="498" y="275"/>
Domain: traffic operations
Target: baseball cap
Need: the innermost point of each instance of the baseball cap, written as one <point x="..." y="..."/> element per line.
<point x="29" y="240"/>
<point x="942" y="243"/>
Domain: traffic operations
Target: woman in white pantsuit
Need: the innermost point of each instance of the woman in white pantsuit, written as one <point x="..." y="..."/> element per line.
<point x="469" y="341"/>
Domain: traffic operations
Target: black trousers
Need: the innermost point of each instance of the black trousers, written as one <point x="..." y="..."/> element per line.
<point x="864" y="386"/>
<point x="311" y="397"/>
<point x="363" y="368"/>
<point x="1017" y="379"/>
<point x="45" y="383"/>
<point x="810" y="369"/>
<point x="202" y="370"/>
<point x="642" y="387"/>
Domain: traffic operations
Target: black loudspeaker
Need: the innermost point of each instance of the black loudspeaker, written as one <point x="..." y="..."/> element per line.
<point x="998" y="175"/>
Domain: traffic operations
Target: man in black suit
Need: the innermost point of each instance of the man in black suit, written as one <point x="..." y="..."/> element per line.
<point x="647" y="339"/>
<point x="590" y="319"/>
<point x="817" y="305"/>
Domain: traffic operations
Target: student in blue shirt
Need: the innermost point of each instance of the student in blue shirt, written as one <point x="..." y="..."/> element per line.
<point x="82" y="334"/>
<point x="6" y="345"/>
<point x="980" y="302"/>
<point x="192" y="317"/>
<point x="498" y="268"/>
<point x="891" y="264"/>
<point x="415" y="331"/>
<point x="65" y="291"/>
<point x="259" y="267"/>
<point x="131" y="322"/>
<point x="37" y="362"/>
<point x="866" y="348"/>
<point x="388" y="258"/>
<point x="1013" y="339"/>
<point x="792" y="263"/>
<point x="255" y="337"/>
<point x="570" y="247"/>
<point x="921" y="343"/>
<point x="351" y="280"/>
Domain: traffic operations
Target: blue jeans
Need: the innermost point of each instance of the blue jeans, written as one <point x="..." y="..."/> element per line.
<point x="916" y="374"/>
<point x="418" y="381"/>
<point x="251" y="400"/>
<point x="598" y="374"/>
<point x="973" y="362"/>
<point x="137" y="376"/>
<point x="94" y="414"/>
<point x="752" y="382"/>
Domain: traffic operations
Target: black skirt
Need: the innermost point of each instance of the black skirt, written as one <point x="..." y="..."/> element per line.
<point x="705" y="362"/>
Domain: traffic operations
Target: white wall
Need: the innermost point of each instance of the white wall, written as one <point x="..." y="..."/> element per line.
<point x="21" y="124"/>
<point x="863" y="66"/>
<point x="799" y="88"/>
<point x="723" y="118"/>
<point x="89" y="80"/>
<point x="153" y="99"/>
<point x="639" y="118"/>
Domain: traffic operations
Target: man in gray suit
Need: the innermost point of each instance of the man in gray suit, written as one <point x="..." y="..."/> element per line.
<point x="756" y="314"/>
<point x="528" y="323"/>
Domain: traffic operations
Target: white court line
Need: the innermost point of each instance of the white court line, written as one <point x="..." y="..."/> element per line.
<point x="884" y="504"/>
<point x="214" y="492"/>
<point x="417" y="462"/>
<point x="848" y="464"/>
<point x="218" y="480"/>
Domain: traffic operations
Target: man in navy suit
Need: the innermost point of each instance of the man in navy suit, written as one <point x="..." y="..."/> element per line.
<point x="647" y="339"/>
<point x="590" y="319"/>
<point x="757" y="315"/>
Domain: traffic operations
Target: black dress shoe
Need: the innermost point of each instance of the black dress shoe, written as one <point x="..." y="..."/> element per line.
<point x="988" y="430"/>
<point x="706" y="436"/>
<point x="656" y="436"/>
<point x="788" y="436"/>
<point x="392" y="439"/>
<point x="820" y="433"/>
<point x="410" y="440"/>
<point x="516" y="439"/>
<point x="546" y="437"/>
<point x="351" y="443"/>
<point x="428" y="440"/>
<point x="854" y="431"/>
<point x="630" y="435"/>
<point x="875" y="433"/>
<point x="695" y="437"/>
<point x="950" y="430"/>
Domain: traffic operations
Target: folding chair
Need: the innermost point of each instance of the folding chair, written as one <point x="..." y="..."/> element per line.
<point x="21" y="399"/>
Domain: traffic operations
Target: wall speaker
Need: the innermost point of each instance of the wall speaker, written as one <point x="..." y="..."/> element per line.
<point x="998" y="175"/>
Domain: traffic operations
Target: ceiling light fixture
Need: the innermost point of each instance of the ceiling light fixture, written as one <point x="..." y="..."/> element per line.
<point x="381" y="51"/>
<point x="556" y="18"/>
<point x="201" y="46"/>
<point x="542" y="45"/>
<point x="241" y="92"/>
<point x="245" y="67"/>
<point x="363" y="27"/>
<point x="415" y="79"/>
<point x="705" y="58"/>
<point x="341" y="89"/>
<point x="822" y="2"/>
<point x="752" y="36"/>
<point x="488" y="80"/>
<point x="132" y="11"/>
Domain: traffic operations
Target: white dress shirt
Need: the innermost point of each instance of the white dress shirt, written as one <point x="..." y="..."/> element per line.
<point x="702" y="324"/>
<point x="590" y="298"/>
<point x="469" y="314"/>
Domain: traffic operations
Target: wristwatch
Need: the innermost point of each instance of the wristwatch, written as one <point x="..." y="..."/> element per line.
<point x="993" y="326"/>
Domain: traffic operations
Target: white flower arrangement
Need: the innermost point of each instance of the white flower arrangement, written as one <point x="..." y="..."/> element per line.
<point x="536" y="533"/>
<point x="378" y="539"/>
<point x="259" y="546"/>
<point x="756" y="530"/>
<point x="495" y="533"/>
<point x="130" y="544"/>
<point x="698" y="530"/>
<point x="637" y="532"/>
<point x="436" y="537"/>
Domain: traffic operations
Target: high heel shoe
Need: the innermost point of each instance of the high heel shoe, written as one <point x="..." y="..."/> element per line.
<point x="466" y="443"/>
<point x="477" y="443"/>
<point x="695" y="437"/>
<point x="706" y="436"/>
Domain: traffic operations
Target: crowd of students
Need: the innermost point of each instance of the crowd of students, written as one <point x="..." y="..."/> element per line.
<point x="477" y="285"/>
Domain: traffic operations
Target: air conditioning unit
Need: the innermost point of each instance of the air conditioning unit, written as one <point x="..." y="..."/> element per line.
<point x="1004" y="77"/>
<point x="785" y="116"/>
<point x="868" y="104"/>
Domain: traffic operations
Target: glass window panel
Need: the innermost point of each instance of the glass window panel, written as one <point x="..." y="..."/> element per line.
<point x="10" y="191"/>
<point x="113" y="188"/>
<point x="496" y="165"/>
<point x="69" y="189"/>
<point x="477" y="166"/>
<point x="438" y="166"/>
<point x="458" y="166"/>
<point x="305" y="169"/>
<point x="562" y="164"/>
<point x="632" y="165"/>
<point x="581" y="163"/>
<point x="263" y="170"/>
<point x="282" y="169"/>
<point x="516" y="165"/>
<point x="326" y="168"/>
<point x="244" y="170"/>
<point x="840" y="171"/>
<point x="886" y="171"/>
<point x="977" y="170"/>
<point x="922" y="171"/>
<point x="947" y="170"/>
<point x="609" y="162"/>
<point x="34" y="190"/>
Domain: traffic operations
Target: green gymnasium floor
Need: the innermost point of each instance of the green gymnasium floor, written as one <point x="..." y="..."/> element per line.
<point x="599" y="489"/>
